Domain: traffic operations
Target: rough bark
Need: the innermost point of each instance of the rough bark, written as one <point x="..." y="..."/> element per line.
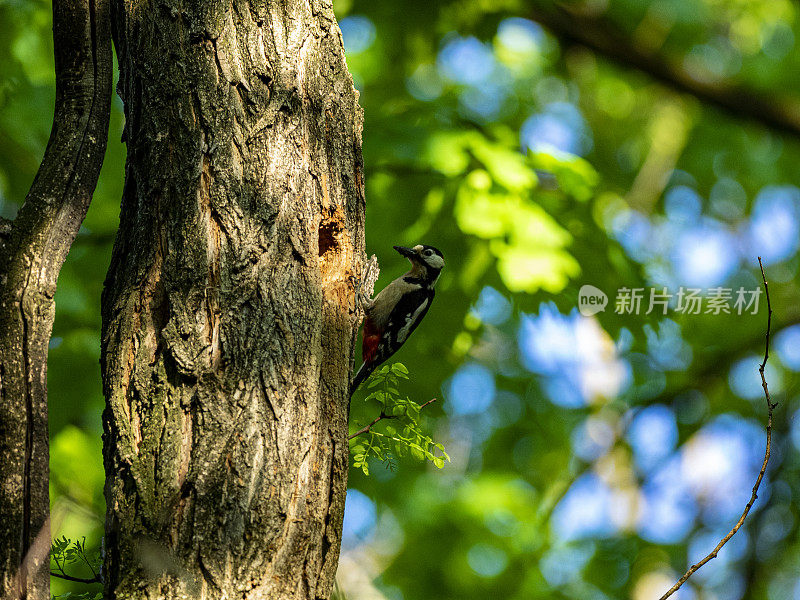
<point x="32" y="249"/>
<point x="228" y="317"/>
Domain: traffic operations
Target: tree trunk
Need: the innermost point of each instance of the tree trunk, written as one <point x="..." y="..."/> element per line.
<point x="228" y="316"/>
<point x="32" y="249"/>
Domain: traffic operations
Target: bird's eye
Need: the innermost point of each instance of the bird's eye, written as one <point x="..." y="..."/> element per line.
<point x="428" y="252"/>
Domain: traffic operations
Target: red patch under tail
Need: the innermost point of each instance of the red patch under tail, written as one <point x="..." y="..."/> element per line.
<point x="372" y="338"/>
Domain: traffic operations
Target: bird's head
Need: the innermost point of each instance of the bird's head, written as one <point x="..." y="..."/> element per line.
<point x="425" y="258"/>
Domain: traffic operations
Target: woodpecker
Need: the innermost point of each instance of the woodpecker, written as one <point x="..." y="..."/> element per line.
<point x="398" y="308"/>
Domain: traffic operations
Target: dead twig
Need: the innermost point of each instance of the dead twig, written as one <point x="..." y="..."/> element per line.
<point x="754" y="495"/>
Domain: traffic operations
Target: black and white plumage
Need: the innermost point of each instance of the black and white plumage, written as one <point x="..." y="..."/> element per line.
<point x="398" y="309"/>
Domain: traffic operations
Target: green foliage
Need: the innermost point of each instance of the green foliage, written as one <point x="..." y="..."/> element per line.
<point x="531" y="226"/>
<point x="66" y="552"/>
<point x="72" y="558"/>
<point x="400" y="433"/>
<point x="497" y="200"/>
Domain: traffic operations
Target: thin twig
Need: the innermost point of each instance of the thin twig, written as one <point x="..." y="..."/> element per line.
<point x="86" y="560"/>
<point x="754" y="495"/>
<point x="62" y="575"/>
<point x="380" y="417"/>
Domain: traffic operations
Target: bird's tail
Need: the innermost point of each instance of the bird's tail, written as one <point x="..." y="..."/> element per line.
<point x="362" y="374"/>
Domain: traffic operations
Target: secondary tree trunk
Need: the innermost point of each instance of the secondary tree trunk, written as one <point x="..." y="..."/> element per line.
<point x="32" y="249"/>
<point x="228" y="317"/>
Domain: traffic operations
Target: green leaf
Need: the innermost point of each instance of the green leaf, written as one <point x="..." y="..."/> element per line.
<point x="404" y="435"/>
<point x="399" y="369"/>
<point x="575" y="176"/>
<point x="507" y="166"/>
<point x="446" y="152"/>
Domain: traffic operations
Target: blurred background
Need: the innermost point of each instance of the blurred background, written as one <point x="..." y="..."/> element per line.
<point x="629" y="144"/>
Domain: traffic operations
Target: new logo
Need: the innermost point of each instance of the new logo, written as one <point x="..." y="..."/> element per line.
<point x="591" y="300"/>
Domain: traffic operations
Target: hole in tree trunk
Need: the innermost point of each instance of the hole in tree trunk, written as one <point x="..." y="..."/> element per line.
<point x="329" y="231"/>
<point x="335" y="255"/>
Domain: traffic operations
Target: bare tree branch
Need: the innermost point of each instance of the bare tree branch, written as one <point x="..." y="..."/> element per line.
<point x="603" y="37"/>
<point x="770" y="408"/>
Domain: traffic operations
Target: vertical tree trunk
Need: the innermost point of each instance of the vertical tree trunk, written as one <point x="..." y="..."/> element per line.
<point x="32" y="249"/>
<point x="228" y="317"/>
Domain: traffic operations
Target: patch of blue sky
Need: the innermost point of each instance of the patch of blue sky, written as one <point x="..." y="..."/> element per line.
<point x="584" y="511"/>
<point x="492" y="307"/>
<point x="703" y="255"/>
<point x="577" y="358"/>
<point x="682" y="204"/>
<point x="559" y="129"/>
<point x="720" y="463"/>
<point x="635" y="232"/>
<point x="773" y="232"/>
<point x="360" y="519"/>
<point x="563" y="563"/>
<point x="548" y="341"/>
<point x="668" y="509"/>
<point x="358" y="33"/>
<point x="471" y="390"/>
<point x="787" y="345"/>
<point x="483" y="102"/>
<point x="466" y="60"/>
<point x="652" y="434"/>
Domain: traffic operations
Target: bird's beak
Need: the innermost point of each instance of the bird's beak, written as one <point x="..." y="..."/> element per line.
<point x="407" y="252"/>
